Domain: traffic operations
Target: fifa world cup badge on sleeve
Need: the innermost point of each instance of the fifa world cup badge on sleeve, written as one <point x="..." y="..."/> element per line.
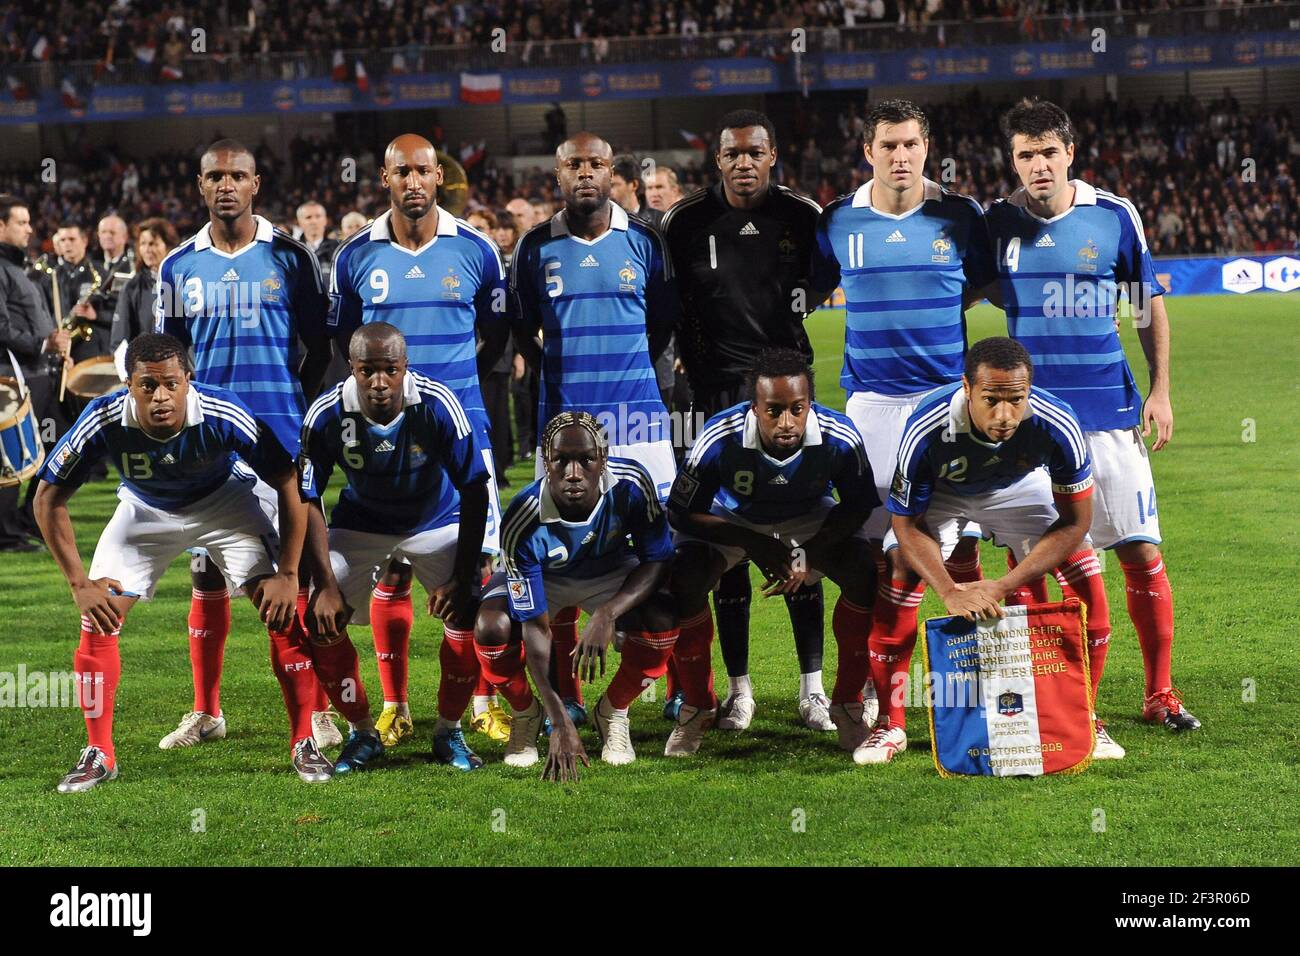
<point x="1010" y="697"/>
<point x="521" y="594"/>
<point x="684" y="489"/>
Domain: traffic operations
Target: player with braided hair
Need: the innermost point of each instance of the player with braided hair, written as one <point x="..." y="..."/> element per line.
<point x="565" y="543"/>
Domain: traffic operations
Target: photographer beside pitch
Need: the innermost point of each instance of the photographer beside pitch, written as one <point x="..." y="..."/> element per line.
<point x="757" y="485"/>
<point x="182" y="449"/>
<point x="976" y="451"/>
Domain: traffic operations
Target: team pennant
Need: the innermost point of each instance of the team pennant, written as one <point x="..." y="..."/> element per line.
<point x="1010" y="697"/>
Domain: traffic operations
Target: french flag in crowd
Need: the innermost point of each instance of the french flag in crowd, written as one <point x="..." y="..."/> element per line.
<point x="693" y="140"/>
<point x="41" y="49"/>
<point x="363" y="78"/>
<point x="145" y="52"/>
<point x="71" y="98"/>
<point x="17" y="88"/>
<point x="339" y="67"/>
<point x="480" y="87"/>
<point x="1010" y="697"/>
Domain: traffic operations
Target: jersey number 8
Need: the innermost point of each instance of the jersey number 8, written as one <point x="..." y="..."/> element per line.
<point x="742" y="483"/>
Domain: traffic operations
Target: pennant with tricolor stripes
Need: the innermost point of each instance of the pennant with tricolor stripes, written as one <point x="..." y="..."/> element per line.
<point x="1010" y="697"/>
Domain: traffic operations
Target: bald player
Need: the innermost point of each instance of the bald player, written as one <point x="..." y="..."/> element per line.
<point x="438" y="280"/>
<point x="597" y="283"/>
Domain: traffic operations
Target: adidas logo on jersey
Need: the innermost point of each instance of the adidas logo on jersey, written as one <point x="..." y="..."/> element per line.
<point x="167" y="459"/>
<point x="591" y="536"/>
<point x="384" y="446"/>
<point x="230" y="276"/>
<point x="778" y="479"/>
<point x="749" y="229"/>
<point x="589" y="262"/>
<point x="415" y="272"/>
<point x="1045" y="242"/>
<point x="896" y="236"/>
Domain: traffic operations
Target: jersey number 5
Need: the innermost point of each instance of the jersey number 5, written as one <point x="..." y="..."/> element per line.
<point x="554" y="281"/>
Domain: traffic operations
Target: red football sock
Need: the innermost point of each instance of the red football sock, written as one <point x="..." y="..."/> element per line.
<point x="1151" y="607"/>
<point x="851" y="626"/>
<point x="564" y="638"/>
<point x="335" y="665"/>
<point x="321" y="701"/>
<point x="209" y="628"/>
<point x="694" y="657"/>
<point x="98" y="667"/>
<point x="459" y="672"/>
<point x="893" y="637"/>
<point x="965" y="572"/>
<point x="674" y="682"/>
<point x="391" y="620"/>
<point x="645" y="658"/>
<point x="1067" y="590"/>
<point x="1082" y="573"/>
<point x="291" y="662"/>
<point x="1033" y="593"/>
<point x="502" y="668"/>
<point x="484" y="686"/>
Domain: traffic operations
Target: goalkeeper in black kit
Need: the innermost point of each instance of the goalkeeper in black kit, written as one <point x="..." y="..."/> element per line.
<point x="742" y="252"/>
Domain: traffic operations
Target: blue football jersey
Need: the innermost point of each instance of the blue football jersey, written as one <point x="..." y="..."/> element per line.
<point x="940" y="449"/>
<point x="597" y="302"/>
<point x="536" y="542"/>
<point x="436" y="296"/>
<point x="402" y="477"/>
<point x="904" y="278"/>
<point x="218" y="433"/>
<point x="728" y="466"/>
<point x="1060" y="280"/>
<point x="243" y="312"/>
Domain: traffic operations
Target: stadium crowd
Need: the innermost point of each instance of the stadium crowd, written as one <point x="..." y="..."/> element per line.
<point x="1185" y="165"/>
<point x="151" y="40"/>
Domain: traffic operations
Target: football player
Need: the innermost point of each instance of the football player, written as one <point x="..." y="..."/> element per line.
<point x="565" y="544"/>
<point x="417" y="490"/>
<point x="1065" y="249"/>
<point x="184" y="452"/>
<point x="998" y="450"/>
<point x="757" y="484"/>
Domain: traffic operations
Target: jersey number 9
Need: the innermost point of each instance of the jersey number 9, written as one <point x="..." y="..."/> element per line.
<point x="379" y="282"/>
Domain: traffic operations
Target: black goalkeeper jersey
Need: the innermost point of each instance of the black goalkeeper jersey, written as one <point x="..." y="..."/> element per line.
<point x="737" y="271"/>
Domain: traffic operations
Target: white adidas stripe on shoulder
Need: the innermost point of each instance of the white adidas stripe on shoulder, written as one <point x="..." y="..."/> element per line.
<point x="435" y="389"/>
<point x="227" y="409"/>
<point x="631" y="471"/>
<point x="916" y="431"/>
<point x="306" y="251"/>
<point x="808" y="200"/>
<point x="513" y="528"/>
<point x="360" y="235"/>
<point x="516" y="260"/>
<point x="1133" y="214"/>
<point x="91" y="425"/>
<point x="501" y="268"/>
<point x="323" y="401"/>
<point x="1064" y="423"/>
<point x="695" y="197"/>
<point x="712" y="434"/>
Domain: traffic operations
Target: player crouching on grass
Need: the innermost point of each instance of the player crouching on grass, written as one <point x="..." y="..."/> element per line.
<point x="565" y="544"/>
<point x="995" y="450"/>
<point x="182" y="449"/>
<point x="417" y="491"/>
<point x="757" y="484"/>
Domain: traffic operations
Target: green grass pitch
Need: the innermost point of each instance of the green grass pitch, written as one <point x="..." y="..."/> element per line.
<point x="778" y="794"/>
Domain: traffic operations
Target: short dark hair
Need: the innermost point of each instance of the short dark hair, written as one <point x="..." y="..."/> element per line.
<point x="8" y="203"/>
<point x="156" y="347"/>
<point x="74" y="224"/>
<point x="893" y="112"/>
<point x="1037" y="119"/>
<point x="374" y="332"/>
<point x="997" y="352"/>
<point x="228" y="145"/>
<point x="626" y="167"/>
<point x="742" y="119"/>
<point x="779" y="363"/>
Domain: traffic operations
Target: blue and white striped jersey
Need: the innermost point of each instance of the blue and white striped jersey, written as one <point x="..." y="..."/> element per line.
<point x="219" y="431"/>
<point x="904" y="278"/>
<point x="243" y="312"/>
<point x="536" y="542"/>
<point x="728" y="466"/>
<point x="1061" y="280"/>
<point x="436" y="296"/>
<point x="597" y="302"/>
<point x="403" y="477"/>
<point x="941" y="450"/>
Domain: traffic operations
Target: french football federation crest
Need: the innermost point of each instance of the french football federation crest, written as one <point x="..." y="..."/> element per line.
<point x="271" y="287"/>
<point x="450" y="283"/>
<point x="1088" y="257"/>
<point x="1010" y="704"/>
<point x="627" y="277"/>
<point x="941" y="249"/>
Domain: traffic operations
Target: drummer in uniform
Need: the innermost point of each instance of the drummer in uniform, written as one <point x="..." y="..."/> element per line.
<point x="30" y="347"/>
